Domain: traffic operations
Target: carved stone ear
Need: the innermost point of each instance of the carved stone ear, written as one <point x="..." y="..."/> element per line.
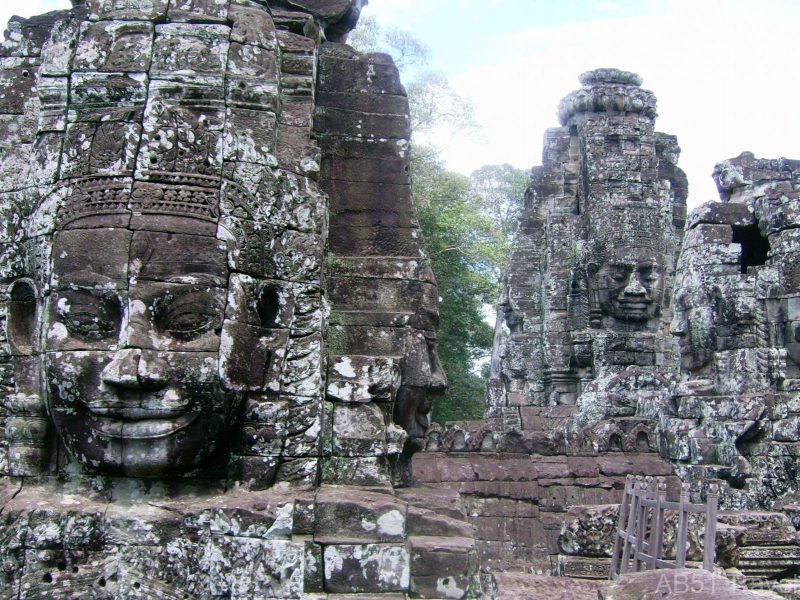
<point x="592" y="269"/>
<point x="21" y="320"/>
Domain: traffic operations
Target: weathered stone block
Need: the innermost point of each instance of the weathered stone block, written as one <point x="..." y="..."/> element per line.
<point x="358" y="430"/>
<point x="365" y="569"/>
<point x="245" y="568"/>
<point x="371" y="517"/>
<point x="362" y="378"/>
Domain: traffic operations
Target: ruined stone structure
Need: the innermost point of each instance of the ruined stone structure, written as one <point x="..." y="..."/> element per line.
<point x="218" y="340"/>
<point x="218" y="313"/>
<point x="734" y="415"/>
<point x="624" y="359"/>
<point x="589" y="280"/>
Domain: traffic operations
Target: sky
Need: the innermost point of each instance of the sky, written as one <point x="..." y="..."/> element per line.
<point x="724" y="71"/>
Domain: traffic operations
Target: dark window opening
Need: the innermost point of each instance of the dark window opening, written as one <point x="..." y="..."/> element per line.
<point x="268" y="307"/>
<point x="755" y="247"/>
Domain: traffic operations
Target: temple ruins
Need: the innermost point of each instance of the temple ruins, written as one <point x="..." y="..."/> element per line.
<point x="218" y="326"/>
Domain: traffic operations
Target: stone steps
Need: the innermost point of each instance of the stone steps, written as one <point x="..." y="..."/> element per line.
<point x="523" y="586"/>
<point x="444" y="563"/>
<point x="770" y="549"/>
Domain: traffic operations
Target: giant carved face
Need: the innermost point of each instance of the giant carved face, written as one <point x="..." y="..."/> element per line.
<point x="143" y="370"/>
<point x="423" y="379"/>
<point x="694" y="323"/>
<point x="629" y="284"/>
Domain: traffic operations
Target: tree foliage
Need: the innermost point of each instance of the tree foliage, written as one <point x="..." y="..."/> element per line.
<point x="500" y="190"/>
<point x="438" y="112"/>
<point x="466" y="221"/>
<point x="406" y="50"/>
<point x="465" y="250"/>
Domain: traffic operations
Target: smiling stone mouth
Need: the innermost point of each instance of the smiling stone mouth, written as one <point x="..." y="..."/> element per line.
<point x="627" y="305"/>
<point x="140" y="429"/>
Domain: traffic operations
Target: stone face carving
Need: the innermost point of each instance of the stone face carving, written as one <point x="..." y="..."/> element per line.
<point x="590" y="276"/>
<point x="131" y="346"/>
<point x="735" y="311"/>
<point x="167" y="240"/>
<point x="215" y="301"/>
<point x="382" y="292"/>
<point x="628" y="284"/>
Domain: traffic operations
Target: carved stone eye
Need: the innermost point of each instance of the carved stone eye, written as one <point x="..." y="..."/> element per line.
<point x="620" y="273"/>
<point x="89" y="316"/>
<point x="93" y="326"/>
<point x="187" y="316"/>
<point x="187" y="324"/>
<point x="648" y="273"/>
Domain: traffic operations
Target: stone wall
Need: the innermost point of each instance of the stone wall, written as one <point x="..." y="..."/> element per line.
<point x="517" y="487"/>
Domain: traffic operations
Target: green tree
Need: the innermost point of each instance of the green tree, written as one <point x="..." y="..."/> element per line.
<point x="406" y="50"/>
<point x="466" y="242"/>
<point x="466" y="251"/>
<point x="500" y="190"/>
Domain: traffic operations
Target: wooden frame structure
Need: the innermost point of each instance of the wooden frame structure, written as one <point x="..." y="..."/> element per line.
<point x="640" y="530"/>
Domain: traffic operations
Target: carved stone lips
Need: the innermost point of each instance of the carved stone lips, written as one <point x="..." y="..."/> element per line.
<point x="134" y="405"/>
<point x="140" y="429"/>
<point x="628" y="306"/>
<point x="139" y="416"/>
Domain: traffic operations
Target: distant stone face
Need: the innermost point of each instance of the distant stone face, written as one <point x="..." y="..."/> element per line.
<point x="589" y="282"/>
<point x="629" y="284"/>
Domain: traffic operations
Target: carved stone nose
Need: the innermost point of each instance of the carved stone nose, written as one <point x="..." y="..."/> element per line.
<point x="678" y="325"/>
<point x="635" y="288"/>
<point x="131" y="370"/>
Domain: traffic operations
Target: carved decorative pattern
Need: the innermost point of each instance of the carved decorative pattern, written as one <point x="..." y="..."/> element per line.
<point x="200" y="203"/>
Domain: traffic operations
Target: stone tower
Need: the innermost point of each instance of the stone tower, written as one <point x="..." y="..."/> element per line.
<point x="589" y="279"/>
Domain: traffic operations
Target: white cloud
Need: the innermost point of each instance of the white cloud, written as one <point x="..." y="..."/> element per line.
<point x="723" y="77"/>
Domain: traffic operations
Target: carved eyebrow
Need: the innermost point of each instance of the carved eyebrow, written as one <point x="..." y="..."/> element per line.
<point x="86" y="279"/>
